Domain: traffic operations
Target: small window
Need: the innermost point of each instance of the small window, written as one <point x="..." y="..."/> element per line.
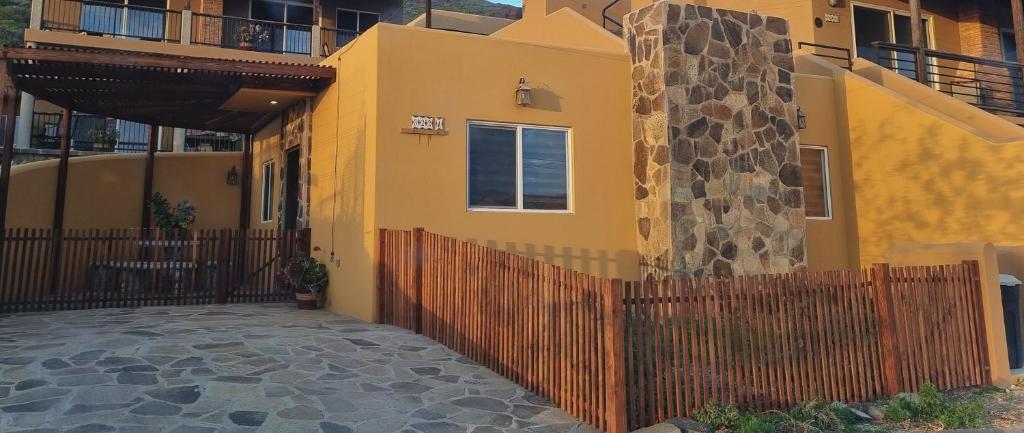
<point x="356" y="21"/>
<point x="817" y="197"/>
<point x="267" y="203"/>
<point x="515" y="167"/>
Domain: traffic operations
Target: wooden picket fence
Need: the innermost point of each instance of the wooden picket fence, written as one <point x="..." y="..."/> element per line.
<point x="624" y="355"/>
<point x="544" y="327"/>
<point x="102" y="268"/>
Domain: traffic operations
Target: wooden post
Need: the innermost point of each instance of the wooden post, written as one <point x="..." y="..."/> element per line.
<point x="246" y="187"/>
<point x="417" y="239"/>
<point x="1017" y="10"/>
<point x="57" y="240"/>
<point x="147" y="188"/>
<point x="918" y="41"/>
<point x="982" y="331"/>
<point x="881" y="284"/>
<point x="615" y="362"/>
<point x="223" y="266"/>
<point x="428" y="13"/>
<point x="10" y="108"/>
<point x="381" y="275"/>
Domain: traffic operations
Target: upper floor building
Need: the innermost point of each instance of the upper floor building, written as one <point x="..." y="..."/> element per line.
<point x="247" y="29"/>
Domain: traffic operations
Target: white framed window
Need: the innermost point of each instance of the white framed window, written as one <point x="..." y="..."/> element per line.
<point x="817" y="192"/>
<point x="519" y="167"/>
<point x="267" y="202"/>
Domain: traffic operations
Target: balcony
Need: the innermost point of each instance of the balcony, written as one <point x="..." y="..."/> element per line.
<point x="98" y="134"/>
<point x="993" y="85"/>
<point x="124" y="21"/>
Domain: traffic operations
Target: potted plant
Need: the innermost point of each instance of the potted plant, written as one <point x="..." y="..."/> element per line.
<point x="104" y="138"/>
<point x="249" y="33"/>
<point x="308" y="277"/>
<point x="174" y="220"/>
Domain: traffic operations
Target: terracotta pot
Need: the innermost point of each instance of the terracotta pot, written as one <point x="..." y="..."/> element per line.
<point x="305" y="301"/>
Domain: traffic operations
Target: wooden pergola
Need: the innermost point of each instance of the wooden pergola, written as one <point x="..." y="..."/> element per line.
<point x="156" y="89"/>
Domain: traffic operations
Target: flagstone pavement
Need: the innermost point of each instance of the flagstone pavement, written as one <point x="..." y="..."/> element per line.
<point x="247" y="368"/>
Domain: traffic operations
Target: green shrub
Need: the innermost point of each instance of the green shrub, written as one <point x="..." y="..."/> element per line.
<point x="718" y="416"/>
<point x="757" y="423"/>
<point x="815" y="416"/>
<point x="930" y="404"/>
<point x="899" y="410"/>
<point x="963" y="416"/>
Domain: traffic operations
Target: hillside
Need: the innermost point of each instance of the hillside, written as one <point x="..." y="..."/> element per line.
<point x="414" y="8"/>
<point x="13" y="20"/>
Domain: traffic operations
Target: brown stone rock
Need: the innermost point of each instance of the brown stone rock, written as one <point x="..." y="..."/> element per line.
<point x="716" y="110"/>
<point x="789" y="174"/>
<point x="696" y="39"/>
<point x="697" y="128"/>
<point x="792" y="198"/>
<point x="777" y="25"/>
<point x="660" y="156"/>
<point x="722" y="268"/>
<point x="733" y="32"/>
<point x="641" y="192"/>
<point x="644" y="225"/>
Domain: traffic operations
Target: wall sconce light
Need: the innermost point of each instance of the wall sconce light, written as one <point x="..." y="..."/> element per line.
<point x="233" y="176"/>
<point x="523" y="93"/>
<point x="801" y="118"/>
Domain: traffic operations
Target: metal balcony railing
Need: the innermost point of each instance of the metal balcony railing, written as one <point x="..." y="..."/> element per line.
<point x="992" y="85"/>
<point x="332" y="39"/>
<point x="100" y="18"/>
<point x="251" y="35"/>
<point x="104" y="18"/>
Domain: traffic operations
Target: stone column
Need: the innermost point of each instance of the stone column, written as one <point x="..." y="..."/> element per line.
<point x="716" y="156"/>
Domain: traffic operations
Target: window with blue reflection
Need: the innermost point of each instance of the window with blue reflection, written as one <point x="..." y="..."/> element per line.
<point x="518" y="167"/>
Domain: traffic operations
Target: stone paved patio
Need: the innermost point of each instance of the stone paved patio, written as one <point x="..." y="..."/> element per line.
<point x="247" y="368"/>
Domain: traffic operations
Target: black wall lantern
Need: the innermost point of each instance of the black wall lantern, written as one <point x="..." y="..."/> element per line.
<point x="233" y="176"/>
<point x="522" y="93"/>
<point x="801" y="118"/>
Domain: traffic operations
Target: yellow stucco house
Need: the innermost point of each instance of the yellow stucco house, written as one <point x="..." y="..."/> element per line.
<point x="610" y="168"/>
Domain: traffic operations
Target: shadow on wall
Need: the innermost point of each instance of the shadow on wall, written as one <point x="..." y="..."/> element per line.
<point x="585" y="260"/>
<point x="921" y="179"/>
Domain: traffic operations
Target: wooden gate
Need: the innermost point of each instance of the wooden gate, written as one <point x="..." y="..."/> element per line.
<point x="102" y="268"/>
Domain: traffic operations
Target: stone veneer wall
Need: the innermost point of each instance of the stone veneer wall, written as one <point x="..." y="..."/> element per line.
<point x="716" y="155"/>
<point x="295" y="131"/>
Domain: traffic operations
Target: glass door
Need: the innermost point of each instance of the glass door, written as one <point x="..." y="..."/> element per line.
<point x="884" y="25"/>
<point x="288" y="27"/>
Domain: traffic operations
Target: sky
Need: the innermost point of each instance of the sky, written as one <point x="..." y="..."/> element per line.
<point x="509" y="2"/>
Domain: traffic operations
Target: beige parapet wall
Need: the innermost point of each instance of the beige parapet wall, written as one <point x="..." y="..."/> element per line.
<point x="105" y="191"/>
<point x="988" y="265"/>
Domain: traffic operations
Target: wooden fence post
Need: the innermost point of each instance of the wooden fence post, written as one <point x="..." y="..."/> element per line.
<point x="974" y="273"/>
<point x="615" y="365"/>
<point x="381" y="274"/>
<point x="417" y="239"/>
<point x="223" y="265"/>
<point x="881" y="283"/>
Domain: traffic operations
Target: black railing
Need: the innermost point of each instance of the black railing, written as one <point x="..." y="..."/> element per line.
<point x="251" y="35"/>
<point x="206" y="141"/>
<point x="45" y="131"/>
<point x="991" y="85"/>
<point x="101" y="18"/>
<point x="332" y="39"/>
<point x="838" y="55"/>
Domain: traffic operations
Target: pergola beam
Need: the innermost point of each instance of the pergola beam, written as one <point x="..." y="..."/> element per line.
<point x="10" y="110"/>
<point x="918" y="41"/>
<point x="178" y="64"/>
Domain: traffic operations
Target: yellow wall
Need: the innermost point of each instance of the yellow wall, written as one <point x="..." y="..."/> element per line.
<point x="266" y="147"/>
<point x="342" y="193"/>
<point x="831" y="243"/>
<point x="105" y="191"/>
<point x="922" y="174"/>
<point x="394" y="180"/>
